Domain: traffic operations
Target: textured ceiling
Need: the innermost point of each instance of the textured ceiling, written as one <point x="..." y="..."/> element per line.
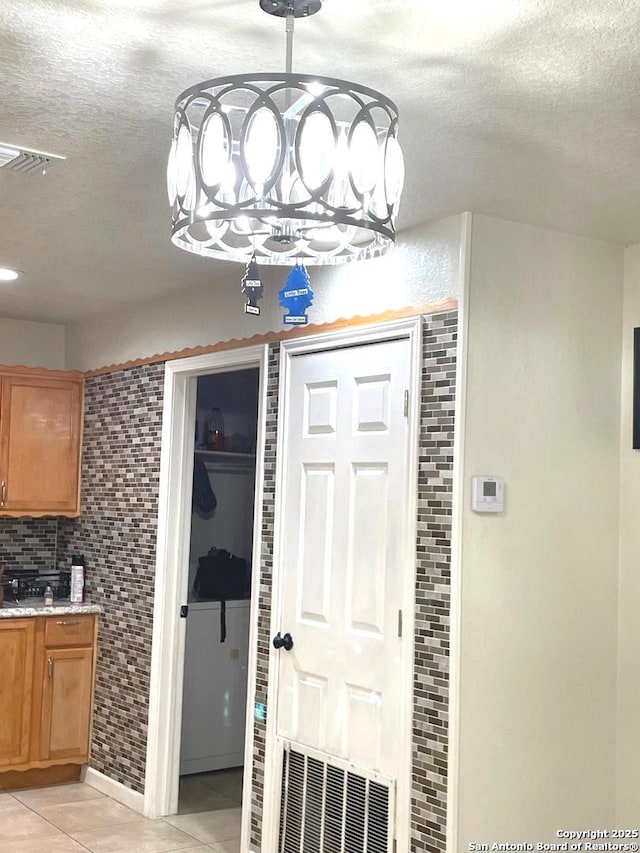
<point x="518" y="109"/>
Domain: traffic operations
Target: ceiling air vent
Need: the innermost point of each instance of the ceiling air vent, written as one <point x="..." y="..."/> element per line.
<point x="25" y="159"/>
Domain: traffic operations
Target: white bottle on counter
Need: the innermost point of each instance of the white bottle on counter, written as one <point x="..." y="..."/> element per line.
<point x="77" y="580"/>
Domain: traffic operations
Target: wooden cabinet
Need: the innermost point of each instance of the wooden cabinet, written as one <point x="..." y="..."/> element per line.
<point x="69" y="631"/>
<point x="16" y="674"/>
<point x="66" y="702"/>
<point x="46" y="700"/>
<point x="40" y="437"/>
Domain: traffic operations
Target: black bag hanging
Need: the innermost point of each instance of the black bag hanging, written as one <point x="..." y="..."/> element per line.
<point x="221" y="577"/>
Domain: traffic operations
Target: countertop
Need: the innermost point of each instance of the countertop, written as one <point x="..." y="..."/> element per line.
<point x="59" y="608"/>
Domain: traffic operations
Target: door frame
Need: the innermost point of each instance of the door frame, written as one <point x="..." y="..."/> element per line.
<point x="410" y="329"/>
<point x="172" y="572"/>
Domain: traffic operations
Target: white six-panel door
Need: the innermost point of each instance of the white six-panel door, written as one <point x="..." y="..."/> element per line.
<point x="344" y="553"/>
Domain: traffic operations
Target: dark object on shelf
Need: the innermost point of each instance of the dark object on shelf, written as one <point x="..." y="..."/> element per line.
<point x="204" y="499"/>
<point x="222" y="577"/>
<point x="20" y="584"/>
<point x="237" y="442"/>
<point x="214" y="437"/>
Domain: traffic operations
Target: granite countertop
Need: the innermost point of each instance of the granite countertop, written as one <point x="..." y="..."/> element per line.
<point x="59" y="608"/>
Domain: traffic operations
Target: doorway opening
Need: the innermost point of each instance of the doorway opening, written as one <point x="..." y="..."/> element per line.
<point x="214" y="698"/>
<point x="172" y="578"/>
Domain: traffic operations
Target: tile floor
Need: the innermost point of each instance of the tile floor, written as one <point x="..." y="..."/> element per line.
<point x="202" y="792"/>
<point x="76" y="817"/>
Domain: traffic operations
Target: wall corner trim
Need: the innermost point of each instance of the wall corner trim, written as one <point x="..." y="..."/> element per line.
<point x="448" y="304"/>
<point x="116" y="790"/>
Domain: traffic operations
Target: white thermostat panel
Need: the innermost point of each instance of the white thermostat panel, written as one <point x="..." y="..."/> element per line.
<point x="487" y="494"/>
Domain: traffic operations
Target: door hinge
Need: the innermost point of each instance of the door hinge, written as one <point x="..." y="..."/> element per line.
<point x="184" y="611"/>
<point x="399" y="623"/>
<point x="406" y="404"/>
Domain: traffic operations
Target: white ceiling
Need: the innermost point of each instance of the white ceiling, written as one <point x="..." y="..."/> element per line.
<point x="523" y="109"/>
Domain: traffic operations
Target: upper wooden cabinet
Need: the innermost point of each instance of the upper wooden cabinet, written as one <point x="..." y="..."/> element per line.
<point x="40" y="438"/>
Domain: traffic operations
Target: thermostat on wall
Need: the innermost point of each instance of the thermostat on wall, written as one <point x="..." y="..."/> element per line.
<point x="487" y="494"/>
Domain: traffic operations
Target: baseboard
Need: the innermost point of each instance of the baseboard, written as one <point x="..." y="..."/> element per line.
<point x="116" y="790"/>
<point x="37" y="777"/>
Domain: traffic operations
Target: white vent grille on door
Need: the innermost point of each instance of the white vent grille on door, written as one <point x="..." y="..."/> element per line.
<point x="329" y="806"/>
<point x="24" y="159"/>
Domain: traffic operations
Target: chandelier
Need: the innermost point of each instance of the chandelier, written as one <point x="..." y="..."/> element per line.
<point x="284" y="168"/>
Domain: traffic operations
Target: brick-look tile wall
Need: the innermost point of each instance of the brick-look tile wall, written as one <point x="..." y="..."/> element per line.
<point x="28" y="543"/>
<point x="433" y="560"/>
<point x="264" y="602"/>
<point x="116" y="533"/>
<point x="433" y="601"/>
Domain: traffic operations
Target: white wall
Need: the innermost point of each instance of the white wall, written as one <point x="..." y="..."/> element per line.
<point x="23" y="342"/>
<point x="538" y="587"/>
<point x="628" y="782"/>
<point x="423" y="268"/>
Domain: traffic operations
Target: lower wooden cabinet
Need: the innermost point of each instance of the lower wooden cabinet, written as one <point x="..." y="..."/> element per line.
<point x="48" y="666"/>
<point x="66" y="702"/>
<point x="17" y="638"/>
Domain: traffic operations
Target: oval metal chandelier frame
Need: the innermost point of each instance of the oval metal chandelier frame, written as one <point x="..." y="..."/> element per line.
<point x="285" y="218"/>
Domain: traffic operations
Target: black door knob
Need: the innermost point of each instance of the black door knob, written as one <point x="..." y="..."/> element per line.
<point x="285" y="642"/>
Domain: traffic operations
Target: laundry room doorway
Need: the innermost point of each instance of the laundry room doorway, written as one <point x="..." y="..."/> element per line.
<point x="214" y="698"/>
<point x="203" y="667"/>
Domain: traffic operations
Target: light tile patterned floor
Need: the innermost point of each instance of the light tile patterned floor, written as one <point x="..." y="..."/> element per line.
<point x="76" y="817"/>
<point x="204" y="792"/>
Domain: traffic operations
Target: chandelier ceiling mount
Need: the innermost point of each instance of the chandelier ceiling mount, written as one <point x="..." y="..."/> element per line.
<point x="299" y="8"/>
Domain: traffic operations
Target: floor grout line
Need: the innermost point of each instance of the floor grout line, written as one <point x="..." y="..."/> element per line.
<point x="33" y="811"/>
<point x="84" y="847"/>
<point x="108" y="826"/>
<point x="188" y="834"/>
<point x="61" y="833"/>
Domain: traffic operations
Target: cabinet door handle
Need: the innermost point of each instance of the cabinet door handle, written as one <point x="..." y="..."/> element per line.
<point x="3" y="498"/>
<point x="50" y="668"/>
<point x="68" y="622"/>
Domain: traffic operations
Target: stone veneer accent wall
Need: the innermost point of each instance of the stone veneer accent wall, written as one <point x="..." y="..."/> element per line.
<point x="116" y="533"/>
<point x="433" y="572"/>
<point x="28" y="543"/>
